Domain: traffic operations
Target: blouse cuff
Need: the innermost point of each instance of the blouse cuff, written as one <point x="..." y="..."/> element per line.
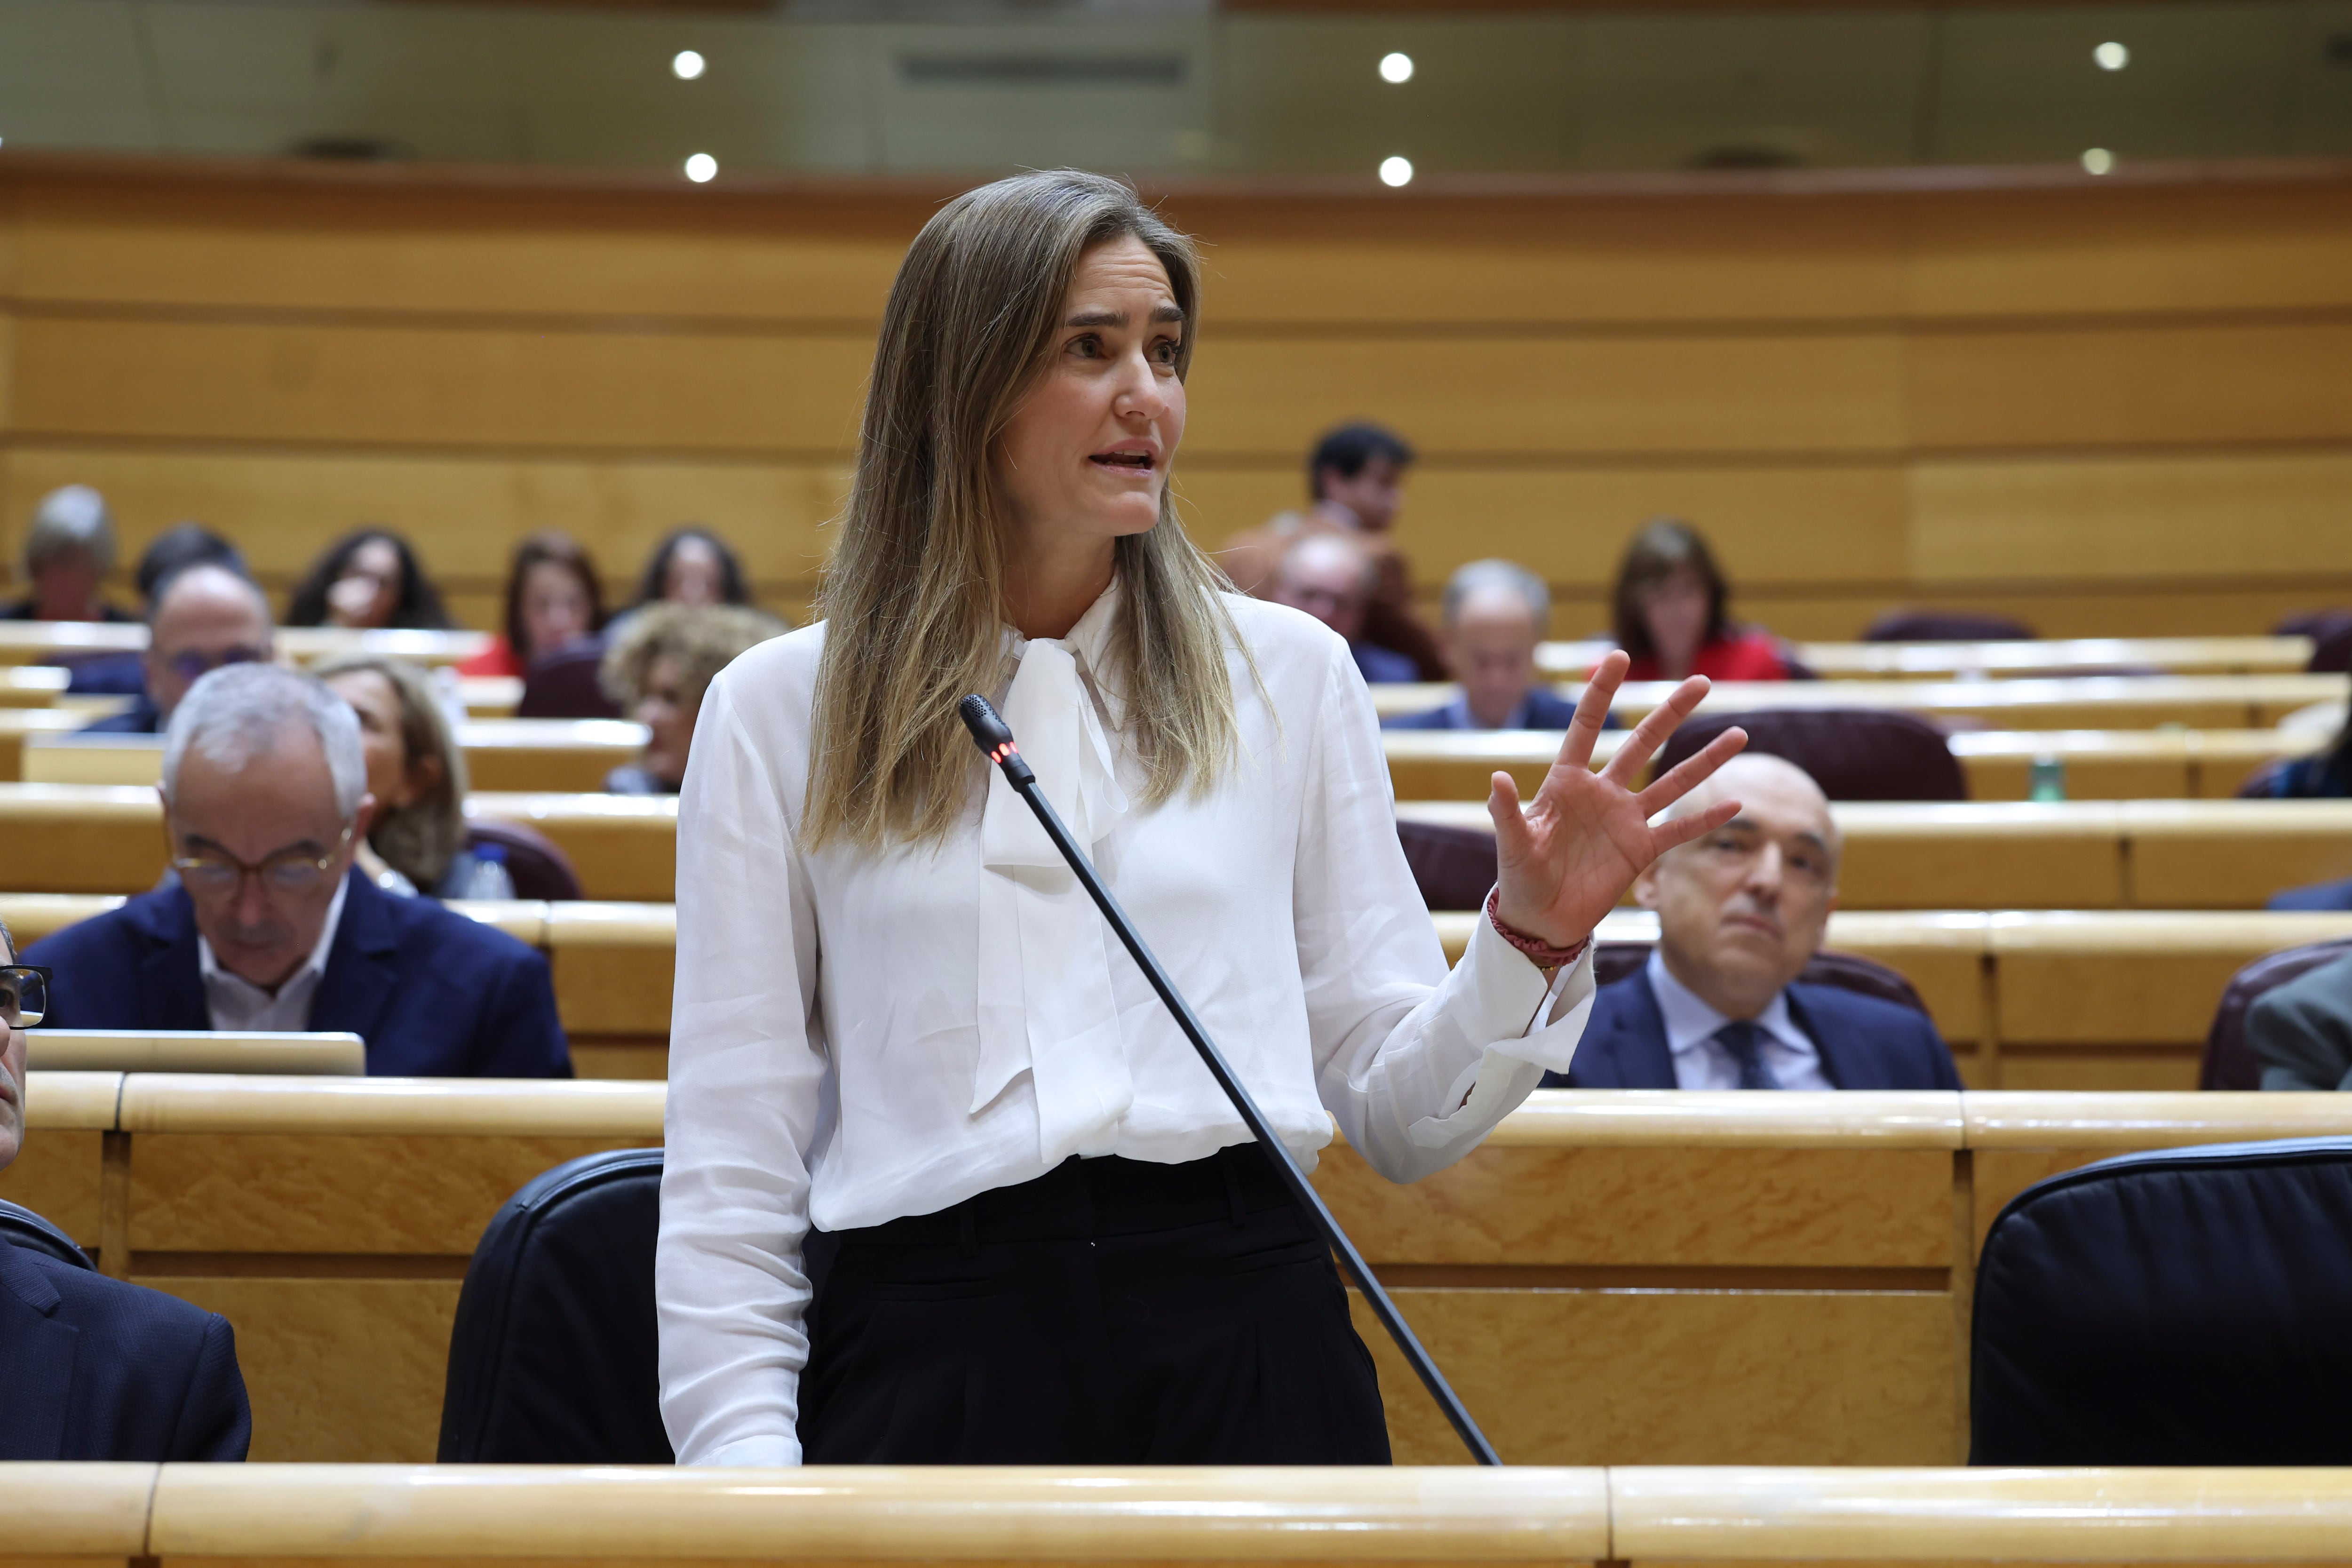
<point x="1522" y="1016"/>
<point x="769" y="1451"/>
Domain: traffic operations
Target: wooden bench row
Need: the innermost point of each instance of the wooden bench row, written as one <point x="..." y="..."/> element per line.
<point x="1626" y="1513"/>
<point x="2002" y="660"/>
<point x="28" y="642"/>
<point x="2074" y="854"/>
<point x="1653" y="1278"/>
<point x="2095" y="764"/>
<point x="2081" y="703"/>
<point x="2071" y="855"/>
<point x="2043" y="1001"/>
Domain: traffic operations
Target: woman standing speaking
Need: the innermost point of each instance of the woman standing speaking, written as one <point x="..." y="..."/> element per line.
<point x="944" y="1183"/>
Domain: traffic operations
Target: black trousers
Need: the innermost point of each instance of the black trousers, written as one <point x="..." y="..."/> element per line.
<point x="1110" y="1313"/>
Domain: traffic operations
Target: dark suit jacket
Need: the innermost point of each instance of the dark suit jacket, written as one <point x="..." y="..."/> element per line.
<point x="140" y="719"/>
<point x="2301" y="1031"/>
<point x="1864" y="1043"/>
<point x="1547" y="710"/>
<point x="2319" y="896"/>
<point x="92" y="1368"/>
<point x="433" y="993"/>
<point x="1381" y="665"/>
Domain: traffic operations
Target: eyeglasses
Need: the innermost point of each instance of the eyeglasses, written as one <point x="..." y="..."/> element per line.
<point x="24" y="995"/>
<point x="194" y="664"/>
<point x="216" y="873"/>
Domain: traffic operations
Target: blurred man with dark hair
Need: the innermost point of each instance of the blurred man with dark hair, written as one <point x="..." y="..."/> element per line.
<point x="1354" y="483"/>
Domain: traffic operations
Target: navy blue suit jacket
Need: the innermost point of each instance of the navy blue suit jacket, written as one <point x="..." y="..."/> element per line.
<point x="433" y="993"/>
<point x="92" y="1368"/>
<point x="140" y="719"/>
<point x="1864" y="1043"/>
<point x="1547" y="710"/>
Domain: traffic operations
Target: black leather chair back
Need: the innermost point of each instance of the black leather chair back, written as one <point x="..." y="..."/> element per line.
<point x="535" y="863"/>
<point x="1854" y="753"/>
<point x="553" y="1358"/>
<point x="564" y="685"/>
<point x="2230" y="1064"/>
<point x="1945" y="626"/>
<point x="2185" y="1306"/>
<point x="20" y="1227"/>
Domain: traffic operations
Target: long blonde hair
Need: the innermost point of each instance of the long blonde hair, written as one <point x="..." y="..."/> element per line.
<point x="913" y="601"/>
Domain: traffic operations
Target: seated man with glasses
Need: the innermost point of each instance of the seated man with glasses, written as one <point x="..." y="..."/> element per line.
<point x="202" y="617"/>
<point x="268" y="927"/>
<point x="93" y="1368"/>
<point x="1741" y="911"/>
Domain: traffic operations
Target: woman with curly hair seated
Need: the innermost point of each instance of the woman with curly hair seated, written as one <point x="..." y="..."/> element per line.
<point x="659" y="665"/>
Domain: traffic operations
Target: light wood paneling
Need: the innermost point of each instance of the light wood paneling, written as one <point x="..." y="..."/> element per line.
<point x="313" y="1400"/>
<point x="1565" y="1377"/>
<point x="2069" y="405"/>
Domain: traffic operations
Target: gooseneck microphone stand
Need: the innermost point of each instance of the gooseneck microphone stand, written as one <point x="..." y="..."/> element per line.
<point x="995" y="737"/>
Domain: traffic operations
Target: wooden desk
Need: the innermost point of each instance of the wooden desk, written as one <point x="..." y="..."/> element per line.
<point x="2100" y="764"/>
<point x="2002" y="660"/>
<point x="2086" y="702"/>
<point x="501" y="754"/>
<point x="2084" y="854"/>
<point x="289" y="1514"/>
<point x="1668" y="1278"/>
<point x="29" y="642"/>
<point x="2074" y="854"/>
<point x="2061" y="1000"/>
<point x="109" y="838"/>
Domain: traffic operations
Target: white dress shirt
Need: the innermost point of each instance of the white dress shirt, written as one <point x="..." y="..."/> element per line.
<point x="862" y="1035"/>
<point x="237" y="1006"/>
<point x="1700" y="1061"/>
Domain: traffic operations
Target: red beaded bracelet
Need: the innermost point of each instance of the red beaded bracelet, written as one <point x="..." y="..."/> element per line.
<point x="1542" y="954"/>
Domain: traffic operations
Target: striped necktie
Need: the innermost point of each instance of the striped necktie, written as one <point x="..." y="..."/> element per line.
<point x="1744" y="1042"/>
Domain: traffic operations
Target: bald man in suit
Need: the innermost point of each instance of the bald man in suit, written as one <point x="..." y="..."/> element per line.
<point x="1741" y="911"/>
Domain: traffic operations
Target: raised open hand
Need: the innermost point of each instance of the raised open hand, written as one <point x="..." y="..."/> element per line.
<point x="1565" y="861"/>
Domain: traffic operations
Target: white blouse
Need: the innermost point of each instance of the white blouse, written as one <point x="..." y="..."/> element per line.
<point x="859" y="1036"/>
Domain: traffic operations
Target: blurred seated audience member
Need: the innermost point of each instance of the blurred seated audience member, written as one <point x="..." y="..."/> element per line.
<point x="68" y="551"/>
<point x="417" y="776"/>
<point x="2301" y="1031"/>
<point x="368" y="580"/>
<point x="93" y="1368"/>
<point x="1496" y="615"/>
<point x="1741" y="913"/>
<point x="180" y="545"/>
<point x="661" y="662"/>
<point x="202" y="617"/>
<point x="270" y="926"/>
<point x="1355" y="485"/>
<point x="693" y="566"/>
<point x="1330" y="577"/>
<point x="1669" y="609"/>
<point x="554" y="600"/>
<point x="2324" y="776"/>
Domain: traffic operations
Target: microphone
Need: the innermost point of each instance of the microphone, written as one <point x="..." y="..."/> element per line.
<point x="993" y="736"/>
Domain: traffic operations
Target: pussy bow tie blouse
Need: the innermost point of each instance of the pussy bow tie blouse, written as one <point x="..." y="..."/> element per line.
<point x="860" y="1035"/>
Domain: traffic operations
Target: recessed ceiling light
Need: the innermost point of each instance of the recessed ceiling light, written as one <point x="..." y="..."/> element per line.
<point x="1396" y="67"/>
<point x="2097" y="161"/>
<point x="1396" y="170"/>
<point x="2111" y="56"/>
<point x="685" y="65"/>
<point x="701" y="167"/>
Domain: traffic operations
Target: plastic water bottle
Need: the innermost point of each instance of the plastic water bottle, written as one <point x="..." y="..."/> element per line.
<point x="2047" y="781"/>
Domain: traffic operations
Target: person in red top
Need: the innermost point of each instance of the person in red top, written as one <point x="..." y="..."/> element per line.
<point x="1670" y="615"/>
<point x="552" y="600"/>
